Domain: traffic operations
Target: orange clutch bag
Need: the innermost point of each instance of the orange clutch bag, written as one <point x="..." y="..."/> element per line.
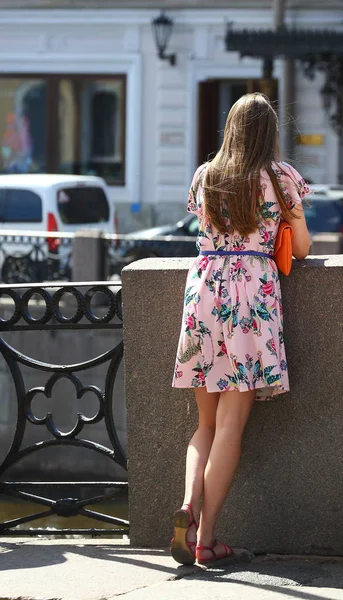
<point x="283" y="248"/>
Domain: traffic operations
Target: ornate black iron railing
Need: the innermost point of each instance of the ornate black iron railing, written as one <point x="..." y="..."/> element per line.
<point x="32" y="256"/>
<point x="52" y="316"/>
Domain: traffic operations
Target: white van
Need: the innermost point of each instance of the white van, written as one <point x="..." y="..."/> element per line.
<point x="53" y="203"/>
<point x="65" y="203"/>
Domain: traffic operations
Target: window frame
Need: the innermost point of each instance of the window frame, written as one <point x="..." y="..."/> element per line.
<point x="52" y="121"/>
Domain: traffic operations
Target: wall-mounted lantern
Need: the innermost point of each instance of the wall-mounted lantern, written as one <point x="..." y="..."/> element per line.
<point x="162" y="27"/>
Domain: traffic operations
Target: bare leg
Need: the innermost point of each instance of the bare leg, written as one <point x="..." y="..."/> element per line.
<point x="232" y="415"/>
<point x="198" y="451"/>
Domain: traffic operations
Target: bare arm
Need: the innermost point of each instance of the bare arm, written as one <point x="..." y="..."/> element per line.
<point x="295" y="189"/>
<point x="301" y="241"/>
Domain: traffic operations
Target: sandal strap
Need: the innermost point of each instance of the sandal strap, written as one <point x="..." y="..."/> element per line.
<point x="210" y="548"/>
<point x="228" y="549"/>
<point x="214" y="543"/>
<point x="190" y="514"/>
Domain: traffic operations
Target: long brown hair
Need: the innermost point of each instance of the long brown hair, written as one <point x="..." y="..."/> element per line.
<point x="232" y="178"/>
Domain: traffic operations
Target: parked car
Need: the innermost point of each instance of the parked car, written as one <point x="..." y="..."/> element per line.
<point x="325" y="211"/>
<point x="145" y="243"/>
<point x="53" y="203"/>
<point x="324" y="214"/>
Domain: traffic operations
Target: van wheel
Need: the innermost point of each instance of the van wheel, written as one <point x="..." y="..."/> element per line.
<point x="19" y="269"/>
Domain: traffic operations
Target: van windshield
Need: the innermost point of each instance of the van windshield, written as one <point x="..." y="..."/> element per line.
<point x="84" y="205"/>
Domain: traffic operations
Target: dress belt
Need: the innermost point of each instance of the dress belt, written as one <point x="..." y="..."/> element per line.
<point x="234" y="253"/>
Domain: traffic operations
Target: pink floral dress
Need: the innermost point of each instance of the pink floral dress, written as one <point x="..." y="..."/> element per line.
<point x="232" y="326"/>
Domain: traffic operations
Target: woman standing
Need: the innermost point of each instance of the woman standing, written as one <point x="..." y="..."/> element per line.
<point x="231" y="347"/>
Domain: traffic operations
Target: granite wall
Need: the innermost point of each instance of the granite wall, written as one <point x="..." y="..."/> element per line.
<point x="287" y="494"/>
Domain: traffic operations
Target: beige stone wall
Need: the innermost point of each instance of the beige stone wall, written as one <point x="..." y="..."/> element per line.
<point x="286" y="497"/>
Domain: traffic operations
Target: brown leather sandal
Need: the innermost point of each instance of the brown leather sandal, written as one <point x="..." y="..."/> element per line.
<point x="181" y="549"/>
<point x="204" y="561"/>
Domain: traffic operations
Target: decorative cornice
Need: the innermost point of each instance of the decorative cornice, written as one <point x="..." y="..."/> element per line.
<point x="144" y="16"/>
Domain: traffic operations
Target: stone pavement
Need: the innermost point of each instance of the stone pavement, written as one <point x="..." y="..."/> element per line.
<point x="101" y="569"/>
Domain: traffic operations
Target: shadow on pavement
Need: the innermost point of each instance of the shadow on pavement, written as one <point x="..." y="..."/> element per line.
<point x="274" y="573"/>
<point x="291" y="591"/>
<point x="279" y="575"/>
<point x="23" y="555"/>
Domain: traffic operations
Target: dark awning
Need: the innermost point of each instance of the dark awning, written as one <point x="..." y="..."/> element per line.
<point x="293" y="43"/>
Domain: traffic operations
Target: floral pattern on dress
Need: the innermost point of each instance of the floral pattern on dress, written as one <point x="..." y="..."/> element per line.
<point x="232" y="327"/>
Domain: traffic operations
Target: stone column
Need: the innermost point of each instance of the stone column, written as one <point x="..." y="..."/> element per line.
<point x="88" y="259"/>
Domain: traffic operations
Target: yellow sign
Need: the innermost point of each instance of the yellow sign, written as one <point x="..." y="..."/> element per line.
<point x="311" y="139"/>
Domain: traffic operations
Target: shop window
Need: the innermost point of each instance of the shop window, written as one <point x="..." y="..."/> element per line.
<point x="92" y="127"/>
<point x="23" y="125"/>
<point x="64" y="124"/>
<point x="104" y="112"/>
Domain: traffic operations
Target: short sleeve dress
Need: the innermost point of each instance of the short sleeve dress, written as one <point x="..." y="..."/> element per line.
<point x="232" y="326"/>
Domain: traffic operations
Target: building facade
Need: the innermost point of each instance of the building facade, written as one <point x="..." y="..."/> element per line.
<point x="82" y="90"/>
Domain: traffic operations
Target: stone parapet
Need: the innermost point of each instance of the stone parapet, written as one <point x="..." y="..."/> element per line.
<point x="287" y="494"/>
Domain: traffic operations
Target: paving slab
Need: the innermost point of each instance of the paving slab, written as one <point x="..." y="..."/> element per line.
<point x="210" y="590"/>
<point x="78" y="569"/>
<point x="265" y="578"/>
<point x="103" y="569"/>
